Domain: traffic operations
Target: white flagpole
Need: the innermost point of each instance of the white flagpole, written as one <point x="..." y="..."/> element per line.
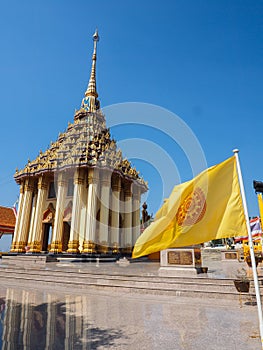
<point x="252" y="255"/>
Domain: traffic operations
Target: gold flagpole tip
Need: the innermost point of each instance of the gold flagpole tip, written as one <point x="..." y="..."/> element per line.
<point x="236" y="150"/>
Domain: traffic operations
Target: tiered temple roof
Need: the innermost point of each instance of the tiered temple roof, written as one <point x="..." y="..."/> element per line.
<point x="86" y="142"/>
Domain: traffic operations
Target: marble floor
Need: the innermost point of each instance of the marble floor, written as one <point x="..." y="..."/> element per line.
<point x="41" y="318"/>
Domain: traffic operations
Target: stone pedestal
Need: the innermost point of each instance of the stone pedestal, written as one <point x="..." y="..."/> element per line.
<point x="230" y="255"/>
<point x="24" y="261"/>
<point x="181" y="262"/>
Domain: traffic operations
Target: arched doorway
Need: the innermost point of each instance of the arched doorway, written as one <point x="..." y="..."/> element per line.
<point x="66" y="235"/>
<point x="48" y="220"/>
<point x="47" y="236"/>
<point x="66" y="226"/>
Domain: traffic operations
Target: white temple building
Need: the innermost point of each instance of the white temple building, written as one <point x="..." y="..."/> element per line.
<point x="80" y="195"/>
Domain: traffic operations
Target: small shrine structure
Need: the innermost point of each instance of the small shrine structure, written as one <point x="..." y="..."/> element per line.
<point x="80" y="195"/>
<point x="7" y="221"/>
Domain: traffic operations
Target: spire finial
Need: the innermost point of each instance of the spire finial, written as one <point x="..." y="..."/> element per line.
<point x="90" y="102"/>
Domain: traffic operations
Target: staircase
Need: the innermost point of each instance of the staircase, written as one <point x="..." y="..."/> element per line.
<point x="85" y="277"/>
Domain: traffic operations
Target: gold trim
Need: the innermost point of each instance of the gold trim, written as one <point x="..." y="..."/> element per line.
<point x="22" y="188"/>
<point x="102" y="247"/>
<point x="42" y="185"/>
<point x="35" y="247"/>
<point x="127" y="249"/>
<point x="127" y="189"/>
<point x="89" y="247"/>
<point x="93" y="176"/>
<point x="62" y="183"/>
<point x="116" y="183"/>
<point x="13" y="246"/>
<point x="29" y="188"/>
<point x="56" y="247"/>
<point x="73" y="246"/>
<point x="20" y="247"/>
<point x="78" y="181"/>
<point x="79" y="177"/>
<point x="115" y="248"/>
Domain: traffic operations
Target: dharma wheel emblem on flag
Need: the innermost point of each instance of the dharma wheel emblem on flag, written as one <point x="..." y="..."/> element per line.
<point x="192" y="209"/>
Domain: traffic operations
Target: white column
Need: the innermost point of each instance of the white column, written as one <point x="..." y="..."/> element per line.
<point x="135" y="214"/>
<point x="89" y="245"/>
<point x="115" y="214"/>
<point x="105" y="183"/>
<point x="18" y="217"/>
<point x="56" y="244"/>
<point x="36" y="243"/>
<point x="127" y="231"/>
<point x="121" y="229"/>
<point x="32" y="219"/>
<point x="73" y="245"/>
<point x="25" y="217"/>
<point x="83" y="212"/>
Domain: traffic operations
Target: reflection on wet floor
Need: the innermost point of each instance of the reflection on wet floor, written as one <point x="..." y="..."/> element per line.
<point x="27" y="322"/>
<point x="44" y="319"/>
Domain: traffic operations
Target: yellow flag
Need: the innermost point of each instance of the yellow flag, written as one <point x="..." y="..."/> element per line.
<point x="205" y="208"/>
<point x="260" y="205"/>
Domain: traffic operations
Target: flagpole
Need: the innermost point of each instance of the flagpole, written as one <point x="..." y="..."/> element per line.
<point x="252" y="255"/>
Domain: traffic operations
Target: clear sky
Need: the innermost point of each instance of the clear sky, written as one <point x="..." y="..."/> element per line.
<point x="200" y="60"/>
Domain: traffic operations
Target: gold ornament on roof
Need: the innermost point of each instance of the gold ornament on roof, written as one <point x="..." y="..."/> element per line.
<point x="90" y="103"/>
<point x="87" y="141"/>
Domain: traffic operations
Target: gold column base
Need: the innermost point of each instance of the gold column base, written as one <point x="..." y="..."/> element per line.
<point x="35" y="247"/>
<point x="19" y="247"/>
<point x="13" y="246"/>
<point x="115" y="248"/>
<point x="103" y="247"/>
<point x="127" y="249"/>
<point x="56" y="247"/>
<point x="73" y="246"/>
<point x="89" y="247"/>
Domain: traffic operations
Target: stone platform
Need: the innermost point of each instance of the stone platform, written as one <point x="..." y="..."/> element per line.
<point x="28" y="260"/>
<point x="136" y="277"/>
<point x="42" y="259"/>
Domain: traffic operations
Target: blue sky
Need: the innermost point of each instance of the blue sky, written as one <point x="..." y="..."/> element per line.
<point x="201" y="60"/>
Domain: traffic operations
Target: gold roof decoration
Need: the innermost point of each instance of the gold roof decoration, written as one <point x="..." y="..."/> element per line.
<point x="90" y="102"/>
<point x="86" y="147"/>
<point x="85" y="143"/>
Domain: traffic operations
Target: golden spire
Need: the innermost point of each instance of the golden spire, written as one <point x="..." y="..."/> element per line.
<point x="90" y="102"/>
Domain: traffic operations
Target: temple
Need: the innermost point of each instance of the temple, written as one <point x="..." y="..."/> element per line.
<point x="80" y="195"/>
